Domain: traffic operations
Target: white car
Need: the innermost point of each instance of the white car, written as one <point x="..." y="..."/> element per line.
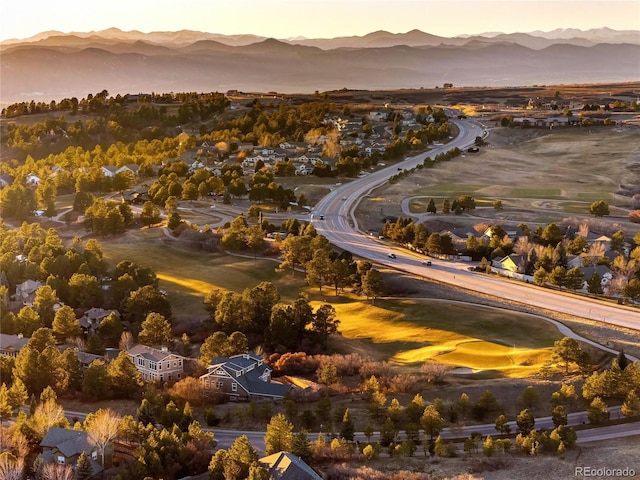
<point x="392" y="255"/>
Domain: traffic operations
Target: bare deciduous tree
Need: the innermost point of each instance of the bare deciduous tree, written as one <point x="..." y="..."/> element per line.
<point x="11" y="468"/>
<point x="102" y="427"/>
<point x="126" y="341"/>
<point x="434" y="371"/>
<point x="52" y="471"/>
<point x="47" y="414"/>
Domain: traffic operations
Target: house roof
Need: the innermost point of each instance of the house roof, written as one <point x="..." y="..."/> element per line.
<point x="247" y="370"/>
<point x="150" y="353"/>
<point x="29" y="286"/>
<point x="601" y="270"/>
<point x="287" y="466"/>
<point x="69" y="442"/>
<point x="12" y="342"/>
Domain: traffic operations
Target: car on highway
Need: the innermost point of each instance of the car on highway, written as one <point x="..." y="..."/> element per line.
<point x="426" y="262"/>
<point x="392" y="255"/>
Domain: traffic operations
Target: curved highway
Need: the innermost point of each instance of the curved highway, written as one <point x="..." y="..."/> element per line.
<point x="341" y="229"/>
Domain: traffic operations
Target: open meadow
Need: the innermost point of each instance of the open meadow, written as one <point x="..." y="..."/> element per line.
<point x="539" y="175"/>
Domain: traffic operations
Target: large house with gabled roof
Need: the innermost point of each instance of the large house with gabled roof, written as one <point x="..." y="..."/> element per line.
<point x="157" y="364"/>
<point x="243" y="377"/>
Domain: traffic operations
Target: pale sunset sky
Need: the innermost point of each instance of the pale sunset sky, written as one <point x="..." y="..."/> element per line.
<point x="314" y="18"/>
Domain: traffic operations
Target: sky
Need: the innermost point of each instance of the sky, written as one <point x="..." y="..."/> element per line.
<point x="314" y="18"/>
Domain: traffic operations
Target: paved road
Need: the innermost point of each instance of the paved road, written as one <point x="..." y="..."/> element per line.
<point x="341" y="229"/>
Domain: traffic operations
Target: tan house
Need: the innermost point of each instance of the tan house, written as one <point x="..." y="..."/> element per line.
<point x="157" y="364"/>
<point x="243" y="377"/>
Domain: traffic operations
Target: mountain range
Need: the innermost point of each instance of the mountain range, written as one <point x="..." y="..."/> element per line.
<point x="54" y="65"/>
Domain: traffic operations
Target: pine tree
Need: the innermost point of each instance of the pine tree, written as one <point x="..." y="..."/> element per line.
<point x="347" y="429"/>
<point x="279" y="435"/>
<point x="301" y="446"/>
<point x="84" y="469"/>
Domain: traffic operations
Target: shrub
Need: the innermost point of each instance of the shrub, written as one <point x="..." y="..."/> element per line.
<point x="211" y="418"/>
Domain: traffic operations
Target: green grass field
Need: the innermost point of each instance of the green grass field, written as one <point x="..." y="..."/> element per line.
<point x="407" y="333"/>
<point x="188" y="275"/>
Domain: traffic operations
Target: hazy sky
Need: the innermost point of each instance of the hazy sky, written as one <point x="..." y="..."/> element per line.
<point x="314" y="18"/>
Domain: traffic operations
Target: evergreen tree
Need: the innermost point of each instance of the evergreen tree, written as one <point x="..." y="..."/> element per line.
<point x="84" y="468"/>
<point x="347" y="428"/>
<point x="156" y="330"/>
<point x="301" y="446"/>
<point x="279" y="435"/>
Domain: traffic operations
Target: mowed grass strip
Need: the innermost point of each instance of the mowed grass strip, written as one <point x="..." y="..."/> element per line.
<point x="409" y="332"/>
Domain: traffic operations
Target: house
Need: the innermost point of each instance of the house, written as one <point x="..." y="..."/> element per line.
<point x="32" y="180"/>
<point x="26" y="291"/>
<point x="243" y="377"/>
<point x="10" y="345"/>
<point x="109" y="171"/>
<point x="287" y="466"/>
<point x="130" y="167"/>
<point x="512" y="263"/>
<point x="92" y="318"/>
<point x="603" y="271"/>
<point x="6" y="180"/>
<point x="64" y="446"/>
<point x="514" y="233"/>
<point x="157" y="364"/>
<point x="87" y="359"/>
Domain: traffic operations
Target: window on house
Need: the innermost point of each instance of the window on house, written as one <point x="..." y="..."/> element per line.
<point x="220" y="384"/>
<point x="234" y="387"/>
<point x="94" y="455"/>
<point x="161" y="377"/>
<point x="168" y="364"/>
<point x="60" y="459"/>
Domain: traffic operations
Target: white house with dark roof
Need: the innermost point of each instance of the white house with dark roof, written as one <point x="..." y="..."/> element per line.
<point x="109" y="170"/>
<point x="157" y="364"/>
<point x="243" y="377"/>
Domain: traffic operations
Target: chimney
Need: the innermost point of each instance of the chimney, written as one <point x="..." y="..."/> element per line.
<point x="164" y="349"/>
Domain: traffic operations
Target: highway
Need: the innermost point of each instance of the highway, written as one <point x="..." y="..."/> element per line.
<point x="340" y="227"/>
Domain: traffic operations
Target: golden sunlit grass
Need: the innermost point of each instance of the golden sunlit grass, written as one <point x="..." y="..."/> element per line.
<point x="478" y="338"/>
<point x="188" y="275"/>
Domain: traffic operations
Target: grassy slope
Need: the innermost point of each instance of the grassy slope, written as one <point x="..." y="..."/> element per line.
<point x="188" y="275"/>
<point x="410" y="332"/>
